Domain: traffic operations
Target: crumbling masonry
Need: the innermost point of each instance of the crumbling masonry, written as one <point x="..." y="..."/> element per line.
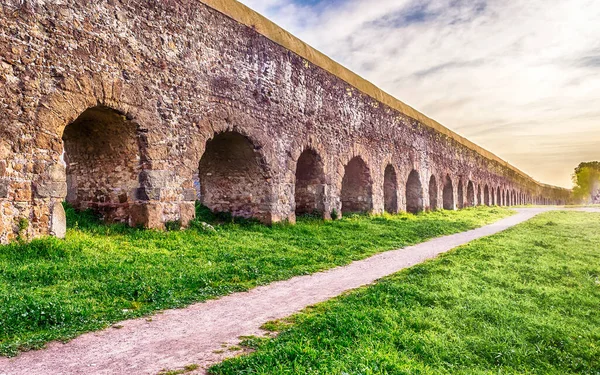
<point x="137" y="108"/>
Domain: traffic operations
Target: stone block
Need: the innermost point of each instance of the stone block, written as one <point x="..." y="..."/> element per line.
<point x="50" y="189"/>
<point x="187" y="212"/>
<point x="148" y="194"/>
<point x="57" y="173"/>
<point x="146" y="215"/>
<point x="59" y="221"/>
<point x="4" y="188"/>
<point x="156" y="178"/>
<point x="190" y="195"/>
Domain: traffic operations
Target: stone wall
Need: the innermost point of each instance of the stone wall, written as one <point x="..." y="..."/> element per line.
<point x="137" y="108"/>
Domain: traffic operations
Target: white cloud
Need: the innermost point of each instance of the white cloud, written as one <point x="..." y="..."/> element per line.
<point x="519" y="77"/>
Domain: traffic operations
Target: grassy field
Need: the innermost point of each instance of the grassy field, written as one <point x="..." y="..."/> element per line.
<point x="526" y="301"/>
<point x="56" y="289"/>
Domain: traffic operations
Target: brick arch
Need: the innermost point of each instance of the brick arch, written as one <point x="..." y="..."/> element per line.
<point x="310" y="144"/>
<point x="85" y="128"/>
<point x="62" y="107"/>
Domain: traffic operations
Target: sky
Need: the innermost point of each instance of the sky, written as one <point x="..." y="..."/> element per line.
<point x="520" y="78"/>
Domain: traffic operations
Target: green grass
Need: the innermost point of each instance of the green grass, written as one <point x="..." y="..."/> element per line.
<point x="525" y="301"/>
<point x="54" y="289"/>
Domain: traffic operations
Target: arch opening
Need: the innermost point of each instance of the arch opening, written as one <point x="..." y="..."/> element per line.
<point x="460" y="195"/>
<point x="471" y="194"/>
<point x="448" y="194"/>
<point x="433" y="193"/>
<point x="498" y="197"/>
<point x="356" y="187"/>
<point x="102" y="160"/>
<point x="507" y="199"/>
<point x="233" y="177"/>
<point x="310" y="184"/>
<point x="486" y="195"/>
<point x="414" y="193"/>
<point x="390" y="189"/>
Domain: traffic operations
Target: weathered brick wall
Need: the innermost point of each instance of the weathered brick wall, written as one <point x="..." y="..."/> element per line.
<point x="129" y="95"/>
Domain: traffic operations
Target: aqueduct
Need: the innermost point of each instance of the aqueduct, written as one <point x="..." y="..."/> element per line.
<point x="136" y="109"/>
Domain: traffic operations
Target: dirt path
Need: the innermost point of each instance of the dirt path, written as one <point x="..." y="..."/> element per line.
<point x="196" y="334"/>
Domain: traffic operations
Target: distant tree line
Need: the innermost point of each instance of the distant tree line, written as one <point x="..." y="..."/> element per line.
<point x="587" y="182"/>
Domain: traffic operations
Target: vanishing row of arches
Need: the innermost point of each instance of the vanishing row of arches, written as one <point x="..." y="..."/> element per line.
<point x="356" y="190"/>
<point x="104" y="160"/>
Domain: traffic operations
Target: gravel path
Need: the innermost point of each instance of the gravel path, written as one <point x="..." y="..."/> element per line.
<point x="198" y="334"/>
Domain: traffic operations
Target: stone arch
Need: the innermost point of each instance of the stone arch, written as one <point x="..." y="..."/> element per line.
<point x="433" y="193"/>
<point x="498" y="197"/>
<point x="479" y="196"/>
<point x="448" y="194"/>
<point x="486" y="195"/>
<point x="414" y="193"/>
<point x="390" y="189"/>
<point x="233" y="177"/>
<point x="103" y="158"/>
<point x="471" y="194"/>
<point x="507" y="199"/>
<point x="357" y="187"/>
<point x="460" y="195"/>
<point x="310" y="183"/>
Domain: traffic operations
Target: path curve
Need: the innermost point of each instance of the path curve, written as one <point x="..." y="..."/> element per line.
<point x="196" y="334"/>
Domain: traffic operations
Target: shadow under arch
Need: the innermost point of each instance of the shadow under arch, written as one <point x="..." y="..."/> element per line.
<point x="233" y="177"/>
<point x="433" y="193"/>
<point x="390" y="189"/>
<point x="460" y="195"/>
<point x="471" y="194"/>
<point x="102" y="156"/>
<point x="310" y="183"/>
<point x="448" y="194"/>
<point x="414" y="193"/>
<point x="357" y="187"/>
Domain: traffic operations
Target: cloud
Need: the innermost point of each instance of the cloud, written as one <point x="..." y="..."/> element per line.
<point x="519" y="77"/>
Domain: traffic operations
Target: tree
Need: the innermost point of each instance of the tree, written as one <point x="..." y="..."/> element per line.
<point x="587" y="181"/>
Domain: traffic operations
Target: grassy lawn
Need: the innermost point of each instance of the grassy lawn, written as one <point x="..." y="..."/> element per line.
<point x="56" y="289"/>
<point x="526" y="301"/>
